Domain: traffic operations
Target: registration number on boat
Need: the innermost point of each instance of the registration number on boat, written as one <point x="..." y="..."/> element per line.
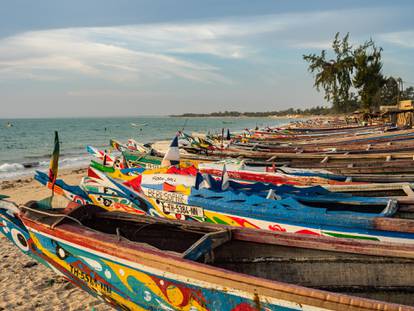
<point x="174" y="208"/>
<point x="151" y="166"/>
<point x="166" y="196"/>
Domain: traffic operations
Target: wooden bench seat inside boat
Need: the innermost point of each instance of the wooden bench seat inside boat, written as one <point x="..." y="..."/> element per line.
<point x="185" y="240"/>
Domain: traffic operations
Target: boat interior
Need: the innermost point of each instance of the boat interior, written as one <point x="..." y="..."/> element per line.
<point x="376" y="277"/>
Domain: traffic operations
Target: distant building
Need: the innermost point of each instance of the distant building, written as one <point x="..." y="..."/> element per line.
<point x="401" y="114"/>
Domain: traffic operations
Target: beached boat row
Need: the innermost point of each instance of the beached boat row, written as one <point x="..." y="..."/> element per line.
<point x="228" y="227"/>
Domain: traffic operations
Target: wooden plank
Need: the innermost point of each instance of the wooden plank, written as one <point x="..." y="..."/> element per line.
<point x="394" y="224"/>
<point x="324" y="160"/>
<point x="207" y="243"/>
<point x="408" y="190"/>
<point x="365" y="187"/>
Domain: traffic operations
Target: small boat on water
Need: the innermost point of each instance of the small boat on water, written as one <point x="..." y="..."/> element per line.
<point x="139" y="125"/>
<point x="141" y="263"/>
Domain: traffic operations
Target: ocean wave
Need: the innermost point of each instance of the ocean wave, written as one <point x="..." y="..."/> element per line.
<point x="69" y="153"/>
<point x="11" y="167"/>
<point x="73" y="160"/>
<point x="12" y="170"/>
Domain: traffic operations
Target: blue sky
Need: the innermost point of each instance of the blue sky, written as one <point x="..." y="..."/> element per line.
<point x="118" y="58"/>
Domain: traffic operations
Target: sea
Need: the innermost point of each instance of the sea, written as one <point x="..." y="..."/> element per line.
<point x="26" y="144"/>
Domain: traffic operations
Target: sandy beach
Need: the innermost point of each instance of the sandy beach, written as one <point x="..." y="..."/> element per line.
<point x="26" y="285"/>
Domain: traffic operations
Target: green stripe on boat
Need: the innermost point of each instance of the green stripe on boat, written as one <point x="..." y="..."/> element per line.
<point x="349" y="236"/>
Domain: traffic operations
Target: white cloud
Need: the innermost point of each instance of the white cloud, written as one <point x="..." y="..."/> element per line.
<point x="83" y="51"/>
<point x="402" y="38"/>
<point x="187" y="50"/>
<point x="320" y="45"/>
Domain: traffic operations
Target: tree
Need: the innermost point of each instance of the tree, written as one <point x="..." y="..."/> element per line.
<point x="408" y="93"/>
<point x="390" y="92"/>
<point x="368" y="77"/>
<point x="334" y="75"/>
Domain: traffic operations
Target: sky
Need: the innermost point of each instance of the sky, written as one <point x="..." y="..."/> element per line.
<point x="83" y="58"/>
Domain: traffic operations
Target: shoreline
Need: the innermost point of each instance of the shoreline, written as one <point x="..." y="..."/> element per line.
<point x="25" y="188"/>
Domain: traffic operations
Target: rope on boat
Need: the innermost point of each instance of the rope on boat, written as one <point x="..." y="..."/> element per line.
<point x="51" y="214"/>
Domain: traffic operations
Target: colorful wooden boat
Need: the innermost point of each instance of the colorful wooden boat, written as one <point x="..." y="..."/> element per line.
<point x="105" y="157"/>
<point x="238" y="170"/>
<point x="151" y="161"/>
<point x="287" y="215"/>
<point x="138" y="263"/>
<point x="385" y="168"/>
<point x="339" y="216"/>
<point x="297" y="177"/>
<point x="131" y="144"/>
<point x="395" y="141"/>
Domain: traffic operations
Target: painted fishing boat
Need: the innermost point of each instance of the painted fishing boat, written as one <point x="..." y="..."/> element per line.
<point x="287" y="214"/>
<point x="105" y="157"/>
<point x="379" y="168"/>
<point x="240" y="164"/>
<point x="372" y="168"/>
<point x="238" y="170"/>
<point x="378" y="134"/>
<point x="134" y="262"/>
<point x="131" y="144"/>
<point x="260" y="154"/>
<point x="349" y="147"/>
<point x="138" y="159"/>
<point x="392" y="138"/>
<point x="134" y="159"/>
<point x="294" y="177"/>
<point x="148" y="159"/>
<point x="152" y="162"/>
<point x="330" y="215"/>
<point x="335" y="216"/>
<point x="314" y="195"/>
<point x="401" y="191"/>
<point x="395" y="141"/>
